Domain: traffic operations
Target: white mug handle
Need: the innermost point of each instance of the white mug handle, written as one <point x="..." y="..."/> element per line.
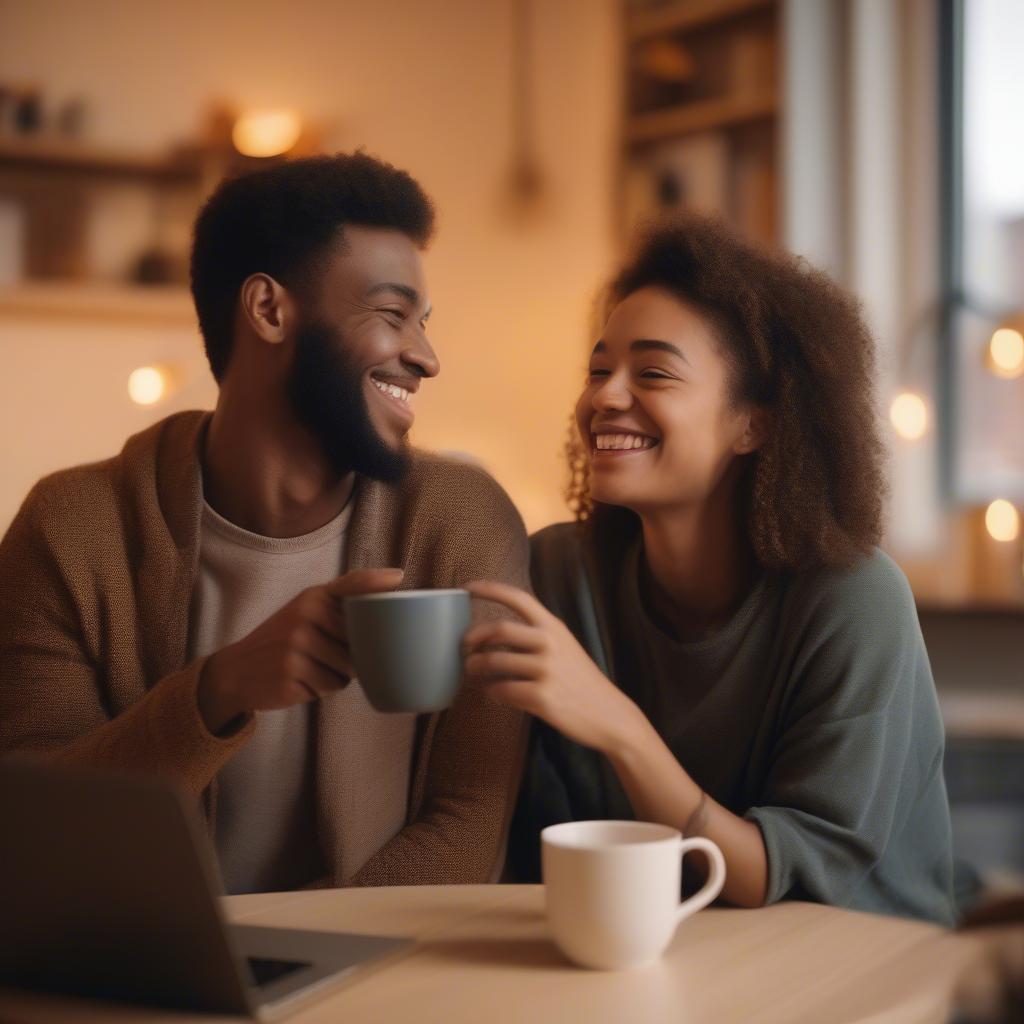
<point x="716" y="877"/>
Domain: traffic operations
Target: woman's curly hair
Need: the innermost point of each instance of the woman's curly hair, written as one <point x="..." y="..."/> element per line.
<point x="799" y="347"/>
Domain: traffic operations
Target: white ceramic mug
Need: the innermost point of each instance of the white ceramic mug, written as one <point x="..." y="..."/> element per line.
<point x="612" y="889"/>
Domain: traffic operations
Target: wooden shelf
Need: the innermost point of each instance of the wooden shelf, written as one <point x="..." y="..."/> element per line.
<point x="61" y="157"/>
<point x="984" y="715"/>
<point x="973" y="608"/>
<point x="683" y="15"/>
<point x="703" y="115"/>
<point x="152" y="305"/>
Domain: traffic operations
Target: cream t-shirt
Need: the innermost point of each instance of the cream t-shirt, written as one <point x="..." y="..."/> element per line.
<point x="266" y="823"/>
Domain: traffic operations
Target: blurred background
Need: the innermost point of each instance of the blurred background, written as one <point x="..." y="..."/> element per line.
<point x="881" y="139"/>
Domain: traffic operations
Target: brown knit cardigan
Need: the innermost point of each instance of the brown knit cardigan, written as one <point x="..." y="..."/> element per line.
<point x="96" y="574"/>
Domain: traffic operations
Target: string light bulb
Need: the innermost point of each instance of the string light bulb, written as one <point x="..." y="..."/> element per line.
<point x="1006" y="353"/>
<point x="1002" y="521"/>
<point x="147" y="385"/>
<point x="909" y="415"/>
<point x="264" y="133"/>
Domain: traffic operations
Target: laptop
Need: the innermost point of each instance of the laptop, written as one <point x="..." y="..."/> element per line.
<point x="108" y="889"/>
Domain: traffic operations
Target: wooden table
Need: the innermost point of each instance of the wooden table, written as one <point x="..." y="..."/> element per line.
<point x="484" y="956"/>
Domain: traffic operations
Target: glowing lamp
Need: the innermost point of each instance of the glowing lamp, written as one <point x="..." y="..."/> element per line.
<point x="1006" y="353"/>
<point x="147" y="385"/>
<point x="266" y="132"/>
<point x="1002" y="521"/>
<point x="909" y="415"/>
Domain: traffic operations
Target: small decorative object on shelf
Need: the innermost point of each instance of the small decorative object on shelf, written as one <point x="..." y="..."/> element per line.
<point x="158" y="266"/>
<point x="28" y="111"/>
<point x="70" y="119"/>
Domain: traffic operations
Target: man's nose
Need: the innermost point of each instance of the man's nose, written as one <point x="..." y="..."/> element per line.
<point x="421" y="358"/>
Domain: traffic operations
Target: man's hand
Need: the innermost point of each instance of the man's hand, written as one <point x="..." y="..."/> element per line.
<point x="299" y="654"/>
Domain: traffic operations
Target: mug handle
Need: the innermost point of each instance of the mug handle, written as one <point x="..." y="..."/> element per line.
<point x="716" y="877"/>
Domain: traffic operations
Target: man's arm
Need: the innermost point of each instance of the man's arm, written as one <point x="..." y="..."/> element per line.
<point x="186" y="726"/>
<point x="51" y="685"/>
<point x="476" y="754"/>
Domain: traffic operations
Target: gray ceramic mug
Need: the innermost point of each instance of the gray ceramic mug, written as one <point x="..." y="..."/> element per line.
<point x="407" y="646"/>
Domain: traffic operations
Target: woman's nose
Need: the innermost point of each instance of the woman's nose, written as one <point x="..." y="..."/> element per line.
<point x="612" y="395"/>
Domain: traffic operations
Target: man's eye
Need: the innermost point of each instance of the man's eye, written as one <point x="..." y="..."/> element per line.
<point x="399" y="314"/>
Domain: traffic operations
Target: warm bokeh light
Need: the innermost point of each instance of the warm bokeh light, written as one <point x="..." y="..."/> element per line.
<point x="1002" y="520"/>
<point x="147" y="385"/>
<point x="909" y="415"/>
<point x="266" y="132"/>
<point x="1006" y="353"/>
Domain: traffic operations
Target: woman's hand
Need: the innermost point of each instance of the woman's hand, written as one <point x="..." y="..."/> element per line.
<point x="538" y="666"/>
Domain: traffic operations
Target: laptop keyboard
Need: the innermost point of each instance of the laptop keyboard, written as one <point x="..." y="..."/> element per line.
<point x="264" y="971"/>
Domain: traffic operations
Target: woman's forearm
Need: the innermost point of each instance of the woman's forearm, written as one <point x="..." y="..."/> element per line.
<point x="660" y="790"/>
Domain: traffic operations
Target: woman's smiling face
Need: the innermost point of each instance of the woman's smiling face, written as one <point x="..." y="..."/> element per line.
<point x="656" y="414"/>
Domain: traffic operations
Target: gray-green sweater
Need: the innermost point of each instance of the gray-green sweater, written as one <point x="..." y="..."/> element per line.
<point x="812" y="712"/>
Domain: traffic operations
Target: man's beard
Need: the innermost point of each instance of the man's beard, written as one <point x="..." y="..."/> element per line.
<point x="326" y="393"/>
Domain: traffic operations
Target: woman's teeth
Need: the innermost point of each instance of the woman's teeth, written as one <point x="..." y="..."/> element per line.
<point x="392" y="389"/>
<point x="622" y="442"/>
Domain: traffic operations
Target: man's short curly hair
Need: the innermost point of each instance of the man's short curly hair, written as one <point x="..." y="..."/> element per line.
<point x="799" y="347"/>
<point x="282" y="220"/>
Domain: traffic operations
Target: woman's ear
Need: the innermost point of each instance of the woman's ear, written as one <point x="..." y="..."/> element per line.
<point x="755" y="430"/>
<point x="268" y="308"/>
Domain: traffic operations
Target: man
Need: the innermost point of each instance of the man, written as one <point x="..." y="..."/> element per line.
<point x="178" y="609"/>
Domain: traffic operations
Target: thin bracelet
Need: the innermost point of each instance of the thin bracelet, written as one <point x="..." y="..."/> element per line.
<point x="691" y="829"/>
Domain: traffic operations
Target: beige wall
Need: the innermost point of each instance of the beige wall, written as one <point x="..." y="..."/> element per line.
<point x="424" y="84"/>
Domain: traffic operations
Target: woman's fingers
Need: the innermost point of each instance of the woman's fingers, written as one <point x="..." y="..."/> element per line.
<point x="486" y="665"/>
<point x="526" y="607"/>
<point x="504" y="633"/>
<point x="517" y="693"/>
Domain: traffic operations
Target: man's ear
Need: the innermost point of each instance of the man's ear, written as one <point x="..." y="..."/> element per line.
<point x="755" y="431"/>
<point x="267" y="307"/>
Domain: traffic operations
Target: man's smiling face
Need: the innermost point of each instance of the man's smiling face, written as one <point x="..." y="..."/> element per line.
<point x="362" y="351"/>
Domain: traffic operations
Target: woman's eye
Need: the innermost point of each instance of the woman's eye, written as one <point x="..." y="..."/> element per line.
<point x="655" y="375"/>
<point x="597" y="373"/>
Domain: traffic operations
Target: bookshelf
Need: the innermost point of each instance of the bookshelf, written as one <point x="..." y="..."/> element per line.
<point x="701" y="112"/>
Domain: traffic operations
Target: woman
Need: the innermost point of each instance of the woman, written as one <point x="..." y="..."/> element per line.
<point x="719" y="645"/>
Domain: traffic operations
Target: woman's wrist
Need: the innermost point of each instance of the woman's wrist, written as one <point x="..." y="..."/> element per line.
<point x="628" y="737"/>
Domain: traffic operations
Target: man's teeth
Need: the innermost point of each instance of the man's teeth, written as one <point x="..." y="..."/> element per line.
<point x="623" y="442"/>
<point x="392" y="389"/>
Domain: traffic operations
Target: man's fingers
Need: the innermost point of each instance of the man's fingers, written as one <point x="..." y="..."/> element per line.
<point x="325" y="614"/>
<point x="365" y="581"/>
<point x="318" y="679"/>
<point x="526" y="607"/>
<point x="298" y="693"/>
<point x="329" y="652"/>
